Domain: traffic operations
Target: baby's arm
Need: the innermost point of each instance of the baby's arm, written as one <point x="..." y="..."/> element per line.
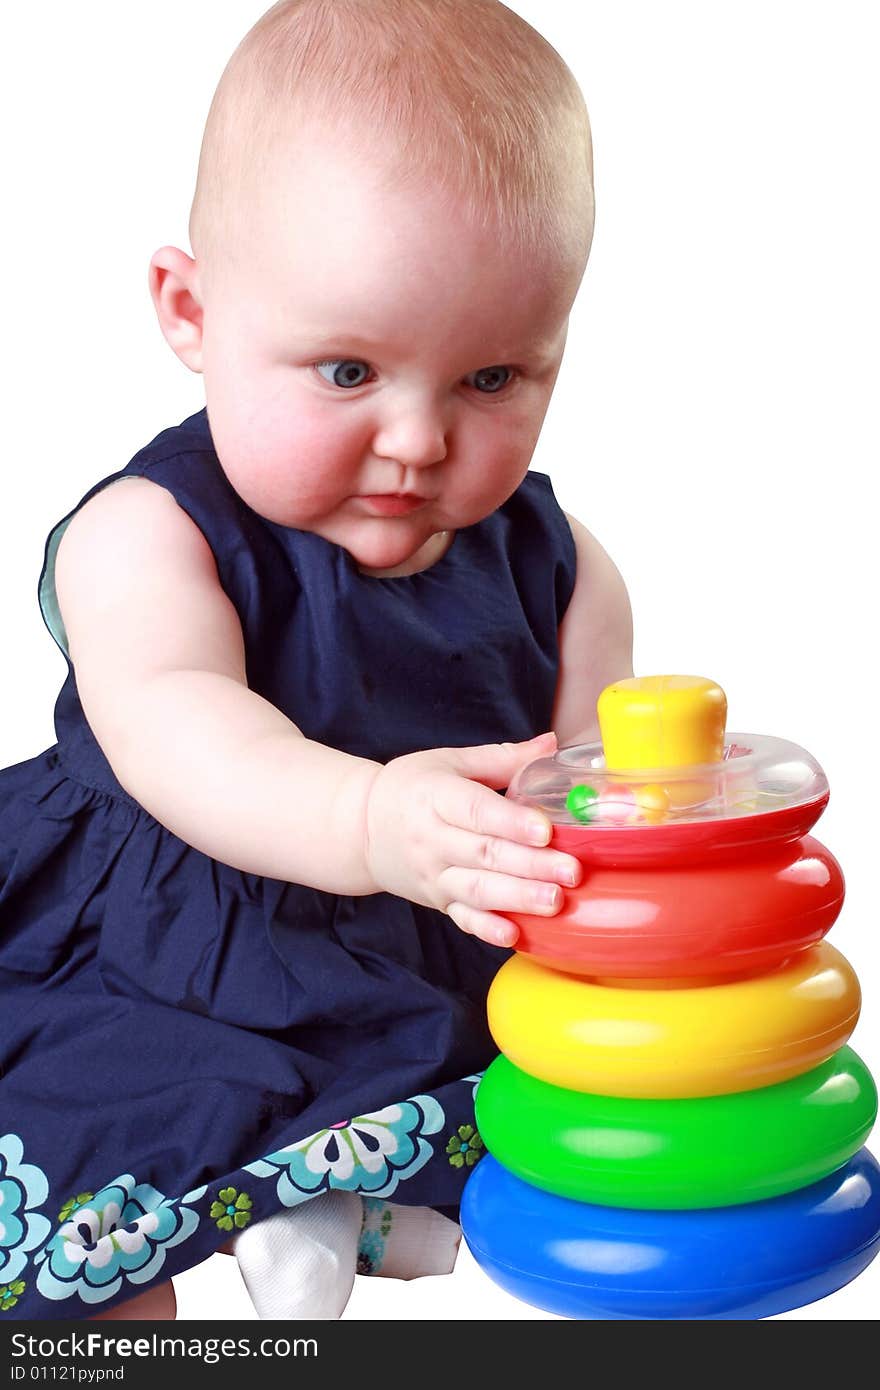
<point x="159" y="658"/>
<point x="595" y="640"/>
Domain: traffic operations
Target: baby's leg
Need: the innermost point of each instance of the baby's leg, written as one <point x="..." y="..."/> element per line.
<point x="401" y="1242"/>
<point x="301" y="1262"/>
<point x="159" y="1305"/>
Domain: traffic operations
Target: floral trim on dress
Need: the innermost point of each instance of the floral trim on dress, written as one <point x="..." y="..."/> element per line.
<point x="465" y="1148"/>
<point x="22" y="1188"/>
<point x="10" y="1294"/>
<point x="232" y="1210"/>
<point x="370" y="1153"/>
<point x="122" y="1234"/>
<point x="74" y="1203"/>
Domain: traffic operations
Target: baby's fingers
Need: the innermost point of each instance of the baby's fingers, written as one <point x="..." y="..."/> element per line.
<point x="488" y="852"/>
<point x="500" y="892"/>
<point x="497" y="931"/>
<point x="469" y="806"/>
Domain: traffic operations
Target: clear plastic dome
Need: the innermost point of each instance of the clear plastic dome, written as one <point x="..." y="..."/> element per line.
<point x="758" y="775"/>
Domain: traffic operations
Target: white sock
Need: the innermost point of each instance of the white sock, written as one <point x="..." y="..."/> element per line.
<point x="301" y="1262"/>
<point x="406" y="1242"/>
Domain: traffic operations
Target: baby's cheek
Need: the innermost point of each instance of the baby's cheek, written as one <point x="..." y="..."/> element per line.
<point x="320" y="459"/>
<point x="501" y="453"/>
<point x="300" y="470"/>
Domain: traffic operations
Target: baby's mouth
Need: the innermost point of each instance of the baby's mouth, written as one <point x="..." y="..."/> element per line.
<point x="392" y="503"/>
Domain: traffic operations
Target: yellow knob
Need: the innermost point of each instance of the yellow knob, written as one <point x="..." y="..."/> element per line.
<point x="659" y="722"/>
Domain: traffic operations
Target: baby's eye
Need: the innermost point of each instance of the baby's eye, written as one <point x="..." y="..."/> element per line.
<point x="343" y="371"/>
<point x="489" y="379"/>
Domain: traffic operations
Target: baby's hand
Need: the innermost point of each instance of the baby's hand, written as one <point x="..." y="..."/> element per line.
<point x="438" y="835"/>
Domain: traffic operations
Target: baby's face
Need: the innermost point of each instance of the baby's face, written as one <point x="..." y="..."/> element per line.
<point x="378" y="373"/>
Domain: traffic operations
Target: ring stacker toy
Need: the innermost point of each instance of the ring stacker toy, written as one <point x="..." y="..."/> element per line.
<point x="675" y="1125"/>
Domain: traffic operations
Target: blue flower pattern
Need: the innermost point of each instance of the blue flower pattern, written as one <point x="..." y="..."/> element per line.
<point x="369" y="1153"/>
<point x="122" y="1234"/>
<point x="23" y="1187"/>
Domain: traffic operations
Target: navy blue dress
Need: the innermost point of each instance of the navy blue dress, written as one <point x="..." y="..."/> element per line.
<point x="186" y="1048"/>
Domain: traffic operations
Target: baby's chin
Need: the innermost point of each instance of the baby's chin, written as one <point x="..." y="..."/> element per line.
<point x="388" y="554"/>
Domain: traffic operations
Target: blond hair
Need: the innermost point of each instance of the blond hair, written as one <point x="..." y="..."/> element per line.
<point x="461" y="94"/>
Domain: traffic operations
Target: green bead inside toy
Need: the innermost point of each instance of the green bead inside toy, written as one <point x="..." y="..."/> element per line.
<point x="580" y="802"/>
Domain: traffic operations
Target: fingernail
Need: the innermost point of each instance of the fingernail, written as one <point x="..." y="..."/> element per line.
<point x="549" y="895"/>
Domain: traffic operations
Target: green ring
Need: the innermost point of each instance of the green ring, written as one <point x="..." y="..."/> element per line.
<point x="709" y="1151"/>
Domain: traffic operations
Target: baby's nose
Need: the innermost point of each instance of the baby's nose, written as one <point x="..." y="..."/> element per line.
<point x="415" y="437"/>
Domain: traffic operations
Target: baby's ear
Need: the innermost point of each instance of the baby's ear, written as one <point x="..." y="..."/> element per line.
<point x="173" y="279"/>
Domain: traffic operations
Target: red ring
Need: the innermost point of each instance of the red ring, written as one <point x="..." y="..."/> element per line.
<point x="716" y="914"/>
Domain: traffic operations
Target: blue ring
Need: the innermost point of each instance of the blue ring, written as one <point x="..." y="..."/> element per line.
<point x="750" y="1261"/>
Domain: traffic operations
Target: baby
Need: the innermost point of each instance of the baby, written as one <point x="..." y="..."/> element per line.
<point x="253" y="899"/>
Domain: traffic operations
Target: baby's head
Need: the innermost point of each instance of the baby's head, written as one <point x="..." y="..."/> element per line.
<point x="393" y="214"/>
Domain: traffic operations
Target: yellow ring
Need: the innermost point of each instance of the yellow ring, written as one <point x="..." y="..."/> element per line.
<point x="704" y="1040"/>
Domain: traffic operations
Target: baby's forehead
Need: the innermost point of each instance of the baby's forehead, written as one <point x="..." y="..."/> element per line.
<point x="316" y="195"/>
<point x="331" y="244"/>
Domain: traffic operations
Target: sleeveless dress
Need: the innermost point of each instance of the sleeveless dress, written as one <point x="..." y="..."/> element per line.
<point x="186" y="1048"/>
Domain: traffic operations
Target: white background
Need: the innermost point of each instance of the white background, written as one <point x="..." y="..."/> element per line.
<point x="714" y="424"/>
